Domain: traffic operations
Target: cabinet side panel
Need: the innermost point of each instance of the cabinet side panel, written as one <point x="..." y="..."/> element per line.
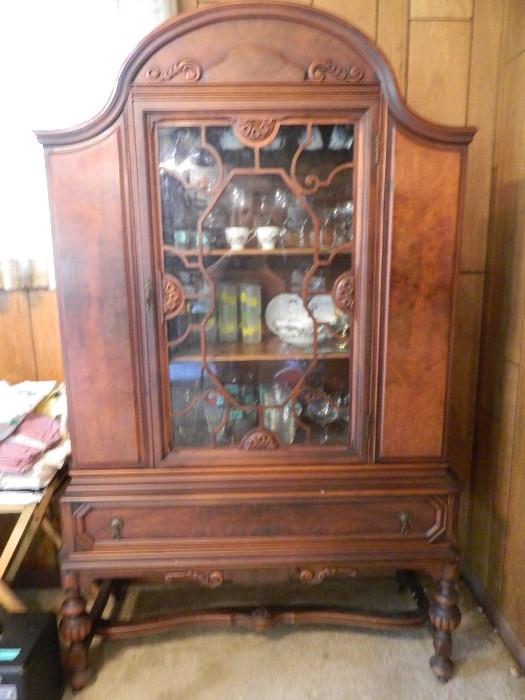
<point x="425" y="200"/>
<point x="89" y="232"/>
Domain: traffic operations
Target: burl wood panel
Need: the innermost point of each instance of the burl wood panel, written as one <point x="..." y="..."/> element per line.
<point x="426" y="184"/>
<point x="87" y="192"/>
<point x="360" y="518"/>
<point x="272" y="58"/>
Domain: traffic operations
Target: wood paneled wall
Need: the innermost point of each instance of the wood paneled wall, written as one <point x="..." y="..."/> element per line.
<point x="497" y="529"/>
<point x="448" y="63"/>
<point x="29" y="336"/>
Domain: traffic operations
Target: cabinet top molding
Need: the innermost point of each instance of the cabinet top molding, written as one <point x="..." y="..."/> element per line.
<point x="326" y="53"/>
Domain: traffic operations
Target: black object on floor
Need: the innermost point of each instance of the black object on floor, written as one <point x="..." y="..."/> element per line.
<point x="30" y="665"/>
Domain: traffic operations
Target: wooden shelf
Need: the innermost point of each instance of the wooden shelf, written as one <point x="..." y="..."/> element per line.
<point x="282" y="252"/>
<point x="269" y="350"/>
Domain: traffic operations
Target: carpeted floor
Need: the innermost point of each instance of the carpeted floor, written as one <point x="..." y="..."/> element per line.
<point x="298" y="663"/>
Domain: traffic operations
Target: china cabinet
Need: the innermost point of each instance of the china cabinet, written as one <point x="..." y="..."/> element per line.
<point x="256" y="251"/>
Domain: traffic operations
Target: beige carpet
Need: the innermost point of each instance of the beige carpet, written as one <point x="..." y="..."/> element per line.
<point x="299" y="663"/>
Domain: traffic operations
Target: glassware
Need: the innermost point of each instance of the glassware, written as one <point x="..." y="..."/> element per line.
<point x="342" y="401"/>
<point x="322" y="410"/>
<point x="240" y="207"/>
<point x="250" y="301"/>
<point x="343" y="215"/>
<point x="273" y="208"/>
<point x="281" y="419"/>
<point x="227" y="312"/>
<point x="341" y="138"/>
<point x="298" y="225"/>
<point x="214" y="407"/>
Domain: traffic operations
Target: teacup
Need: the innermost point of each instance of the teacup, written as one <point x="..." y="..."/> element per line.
<point x="268" y="236"/>
<point x="237" y="236"/>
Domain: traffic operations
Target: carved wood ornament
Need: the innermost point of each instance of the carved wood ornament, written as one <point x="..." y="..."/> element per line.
<point x="325" y="68"/>
<point x="343" y="292"/>
<point x="255" y="130"/>
<point x="260" y="440"/>
<point x="212" y="579"/>
<point x="190" y="69"/>
<point x="314" y="577"/>
<point x="173" y="296"/>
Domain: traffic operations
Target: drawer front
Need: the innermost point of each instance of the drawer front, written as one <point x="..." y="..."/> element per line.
<point x="100" y="524"/>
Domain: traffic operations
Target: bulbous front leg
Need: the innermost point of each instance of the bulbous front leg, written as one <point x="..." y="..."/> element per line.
<point x="75" y="628"/>
<point x="445" y="617"/>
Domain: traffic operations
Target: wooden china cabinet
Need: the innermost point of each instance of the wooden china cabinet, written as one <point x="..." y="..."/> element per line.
<point x="256" y="266"/>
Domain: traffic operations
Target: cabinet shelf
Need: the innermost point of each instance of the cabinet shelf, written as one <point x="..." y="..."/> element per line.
<point x="269" y="350"/>
<point x="222" y="252"/>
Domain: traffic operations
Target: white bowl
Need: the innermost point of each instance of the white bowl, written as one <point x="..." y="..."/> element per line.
<point x="287" y="317"/>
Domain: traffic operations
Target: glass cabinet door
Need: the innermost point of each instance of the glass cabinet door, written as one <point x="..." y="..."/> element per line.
<point x="257" y="224"/>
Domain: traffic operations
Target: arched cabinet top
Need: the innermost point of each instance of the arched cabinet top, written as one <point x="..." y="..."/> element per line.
<point x="257" y="43"/>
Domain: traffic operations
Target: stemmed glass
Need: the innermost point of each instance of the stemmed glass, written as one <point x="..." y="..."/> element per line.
<point x="241" y="203"/>
<point x="322" y="410"/>
<point x="343" y="215"/>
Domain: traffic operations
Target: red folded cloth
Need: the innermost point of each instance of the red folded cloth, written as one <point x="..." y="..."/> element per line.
<point x="34" y="435"/>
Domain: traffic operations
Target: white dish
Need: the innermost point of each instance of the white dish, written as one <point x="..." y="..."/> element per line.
<point x="287" y="317"/>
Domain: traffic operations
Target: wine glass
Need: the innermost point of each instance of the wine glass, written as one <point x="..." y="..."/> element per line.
<point x="322" y="410"/>
<point x="241" y="204"/>
<point x="214" y="407"/>
<point x="343" y="215"/>
<point x="298" y="222"/>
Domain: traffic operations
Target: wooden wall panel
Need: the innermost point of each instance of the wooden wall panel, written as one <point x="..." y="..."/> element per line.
<point x="481" y="112"/>
<point x="425" y="207"/>
<point x="17" y="358"/>
<point x="362" y="13"/>
<point x="438" y="70"/>
<point x="441" y="9"/>
<point x="512" y="574"/>
<point x="392" y="36"/>
<point x="46" y="335"/>
<point x="496" y="554"/>
<point x="90" y="244"/>
<point x="515" y="29"/>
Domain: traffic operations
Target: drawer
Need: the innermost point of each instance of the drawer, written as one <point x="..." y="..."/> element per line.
<point x="146" y="521"/>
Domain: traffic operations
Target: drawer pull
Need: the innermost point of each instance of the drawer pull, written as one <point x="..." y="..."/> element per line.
<point x="116" y="528"/>
<point x="405" y="518"/>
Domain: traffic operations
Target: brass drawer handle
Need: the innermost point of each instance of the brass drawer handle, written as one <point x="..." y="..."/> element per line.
<point x="405" y="518"/>
<point x="116" y="527"/>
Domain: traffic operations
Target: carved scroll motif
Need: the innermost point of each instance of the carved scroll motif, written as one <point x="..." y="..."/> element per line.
<point x="314" y="578"/>
<point x="343" y="292"/>
<point x="255" y="130"/>
<point x="173" y="297"/>
<point x="325" y="68"/>
<point x="212" y="579"/>
<point x="190" y="69"/>
<point x="260" y="440"/>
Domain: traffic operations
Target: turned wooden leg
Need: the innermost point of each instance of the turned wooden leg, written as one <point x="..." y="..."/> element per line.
<point x="445" y="617"/>
<point x="75" y="628"/>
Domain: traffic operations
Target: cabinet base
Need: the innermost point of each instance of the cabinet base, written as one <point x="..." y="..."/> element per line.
<point x="258" y="619"/>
